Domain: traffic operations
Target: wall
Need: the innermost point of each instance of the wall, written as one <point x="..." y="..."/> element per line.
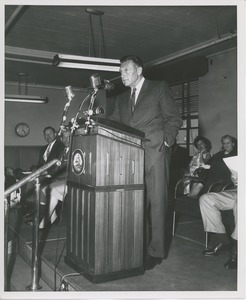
<point x="23" y="151"/>
<point x="217" y="105"/>
<point x="38" y="116"/>
<point x="218" y="98"/>
<point x="21" y="156"/>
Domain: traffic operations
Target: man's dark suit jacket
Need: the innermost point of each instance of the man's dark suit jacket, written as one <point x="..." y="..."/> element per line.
<point x="55" y="152"/>
<point x="157" y="116"/>
<point x="155" y="111"/>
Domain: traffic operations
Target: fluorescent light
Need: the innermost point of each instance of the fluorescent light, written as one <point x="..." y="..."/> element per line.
<point x="86" y="62"/>
<point x="26" y="99"/>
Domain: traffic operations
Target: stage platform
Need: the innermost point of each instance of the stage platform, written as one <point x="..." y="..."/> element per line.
<point x="179" y="272"/>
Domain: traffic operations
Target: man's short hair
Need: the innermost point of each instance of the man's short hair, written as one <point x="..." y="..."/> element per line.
<point x="137" y="60"/>
<point x="49" y="127"/>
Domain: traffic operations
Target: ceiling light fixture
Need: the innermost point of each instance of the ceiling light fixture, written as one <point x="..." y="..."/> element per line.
<point x="88" y="62"/>
<point x="27" y="99"/>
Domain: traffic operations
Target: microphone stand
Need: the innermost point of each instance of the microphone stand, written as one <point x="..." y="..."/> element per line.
<point x="70" y="95"/>
<point x="92" y="95"/>
<point x="34" y="285"/>
<point x="89" y="113"/>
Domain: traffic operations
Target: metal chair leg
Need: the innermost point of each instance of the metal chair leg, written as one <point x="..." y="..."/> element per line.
<point x="174" y="217"/>
<point x="206" y="240"/>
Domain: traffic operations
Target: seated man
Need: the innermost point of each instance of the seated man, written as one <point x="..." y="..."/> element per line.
<point x="55" y="191"/>
<point x="210" y="205"/>
<point x="52" y="150"/>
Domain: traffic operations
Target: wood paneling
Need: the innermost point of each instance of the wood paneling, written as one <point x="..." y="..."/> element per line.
<point x="21" y="157"/>
<point x="108" y="161"/>
<point x="105" y="230"/>
<point x="106" y="207"/>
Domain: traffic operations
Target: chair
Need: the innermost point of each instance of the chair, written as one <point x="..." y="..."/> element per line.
<point x="189" y="206"/>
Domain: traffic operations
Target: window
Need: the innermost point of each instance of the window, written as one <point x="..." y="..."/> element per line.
<point x="186" y="96"/>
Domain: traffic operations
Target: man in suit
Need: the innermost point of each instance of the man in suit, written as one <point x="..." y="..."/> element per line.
<point x="149" y="107"/>
<point x="55" y="192"/>
<point x="52" y="150"/>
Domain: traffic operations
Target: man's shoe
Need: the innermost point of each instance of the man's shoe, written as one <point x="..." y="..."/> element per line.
<point x="231" y="264"/>
<point x="217" y="249"/>
<point x="150" y="262"/>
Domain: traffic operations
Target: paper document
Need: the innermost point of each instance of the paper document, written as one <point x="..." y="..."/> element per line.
<point x="233" y="164"/>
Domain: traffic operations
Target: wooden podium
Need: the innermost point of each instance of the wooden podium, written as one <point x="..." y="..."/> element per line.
<point x="105" y="202"/>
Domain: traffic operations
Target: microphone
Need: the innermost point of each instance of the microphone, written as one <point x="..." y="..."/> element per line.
<point x="98" y="110"/>
<point x="95" y="111"/>
<point x="69" y="92"/>
<point x="108" y="86"/>
<point x="96" y="83"/>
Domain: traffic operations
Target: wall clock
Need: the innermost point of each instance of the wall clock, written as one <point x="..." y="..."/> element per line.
<point x="22" y="129"/>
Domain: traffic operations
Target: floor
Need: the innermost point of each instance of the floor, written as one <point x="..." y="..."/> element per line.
<point x="185" y="269"/>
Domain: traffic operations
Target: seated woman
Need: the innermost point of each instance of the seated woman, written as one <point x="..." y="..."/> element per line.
<point x="198" y="161"/>
<point x="201" y="157"/>
<point x="218" y="171"/>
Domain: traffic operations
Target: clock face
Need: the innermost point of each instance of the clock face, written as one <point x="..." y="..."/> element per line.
<point x="22" y="129"/>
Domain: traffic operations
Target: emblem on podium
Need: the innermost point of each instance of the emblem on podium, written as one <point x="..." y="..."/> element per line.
<point x="78" y="162"/>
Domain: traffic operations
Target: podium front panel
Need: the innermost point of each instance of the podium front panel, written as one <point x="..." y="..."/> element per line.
<point x="105" y="232"/>
<point x="108" y="162"/>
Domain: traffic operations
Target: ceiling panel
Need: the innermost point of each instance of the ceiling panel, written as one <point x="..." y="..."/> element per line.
<point x="153" y="32"/>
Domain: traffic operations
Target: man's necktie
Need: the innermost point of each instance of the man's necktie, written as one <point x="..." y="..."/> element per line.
<point x="133" y="99"/>
<point x="47" y="152"/>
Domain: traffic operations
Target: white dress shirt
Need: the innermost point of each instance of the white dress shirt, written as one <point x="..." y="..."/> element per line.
<point x="48" y="150"/>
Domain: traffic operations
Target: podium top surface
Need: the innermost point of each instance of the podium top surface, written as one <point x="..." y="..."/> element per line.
<point x="115" y="125"/>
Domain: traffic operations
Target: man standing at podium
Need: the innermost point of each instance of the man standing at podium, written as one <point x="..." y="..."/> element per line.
<point x="149" y="107"/>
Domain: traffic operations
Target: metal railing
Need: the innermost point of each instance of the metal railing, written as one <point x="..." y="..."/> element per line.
<point x="33" y="176"/>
